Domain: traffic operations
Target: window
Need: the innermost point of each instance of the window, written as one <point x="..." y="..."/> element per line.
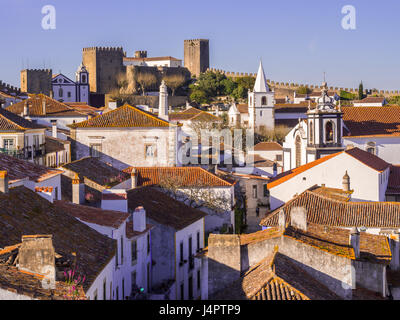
<point x="95" y="150"/>
<point x="122" y="250"/>
<point x="190" y="288"/>
<point x="134" y="252"/>
<point x="69" y="94"/>
<point x="251" y="101"/>
<point x="133" y="279"/>
<point x="60" y="92"/>
<point x="83" y="78"/>
<point x="150" y="151"/>
<point x="198" y="240"/>
<point x="182" y="291"/>
<point x="148" y="276"/>
<point x="266" y="191"/>
<point x="123" y="289"/>
<point x="198" y="280"/>
<point x="329" y="128"/>
<point x="278" y="157"/>
<point x="117" y="293"/>
<point x="9" y="144"/>
<point x="264" y="101"/>
<point x="255" y="191"/>
<point x="116" y="259"/>
<point x="311" y="132"/>
<point x="298" y="151"/>
<point x="148" y="243"/>
<point x="36" y="141"/>
<point x="181" y="251"/>
<point x="191" y="259"/>
<point x="104" y="289"/>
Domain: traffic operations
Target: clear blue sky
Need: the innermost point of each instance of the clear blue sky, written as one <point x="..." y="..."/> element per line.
<point x="297" y="40"/>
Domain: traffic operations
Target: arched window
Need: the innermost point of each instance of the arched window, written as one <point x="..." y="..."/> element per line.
<point x="329" y="132"/>
<point x="371" y="147"/>
<point x="298" y="151"/>
<point x="60" y="92"/>
<point x="250" y="101"/>
<point x="311" y="132"/>
<point x="263" y="101"/>
<point x="83" y="78"/>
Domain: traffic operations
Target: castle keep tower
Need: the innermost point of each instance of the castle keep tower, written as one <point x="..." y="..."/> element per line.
<point x="197" y="55"/>
<point x="104" y="65"/>
<point x="36" y="81"/>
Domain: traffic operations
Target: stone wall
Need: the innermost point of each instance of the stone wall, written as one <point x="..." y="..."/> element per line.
<point x="36" y="81"/>
<point x="224" y="263"/>
<point x="151" y="101"/>
<point x="9" y="88"/>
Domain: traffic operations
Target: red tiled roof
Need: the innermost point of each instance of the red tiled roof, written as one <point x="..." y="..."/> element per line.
<point x="368" y="159"/>
<point x="292" y="107"/>
<point x="242" y="108"/>
<point x="162" y="208"/>
<point x="372" y="121"/>
<point x="12" y="122"/>
<point x="123" y="117"/>
<point x="19" y="169"/>
<point x="107" y="218"/>
<point x="268" y="146"/>
<point x="324" y="210"/>
<point x="187" y="176"/>
<point x="54" y="108"/>
<point x="371" y="100"/>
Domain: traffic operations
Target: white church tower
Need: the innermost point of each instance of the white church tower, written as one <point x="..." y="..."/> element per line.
<point x="261" y="103"/>
<point x="163" y="102"/>
<point x="82" y="84"/>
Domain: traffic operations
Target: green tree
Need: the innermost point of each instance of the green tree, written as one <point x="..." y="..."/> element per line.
<point x="303" y="90"/>
<point x="229" y="86"/>
<point x="199" y="96"/>
<point x="360" y="91"/>
<point x="246" y="83"/>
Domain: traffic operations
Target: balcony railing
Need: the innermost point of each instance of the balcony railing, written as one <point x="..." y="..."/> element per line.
<point x="25" y="153"/>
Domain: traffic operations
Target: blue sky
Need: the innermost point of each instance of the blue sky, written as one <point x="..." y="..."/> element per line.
<point x="297" y="40"/>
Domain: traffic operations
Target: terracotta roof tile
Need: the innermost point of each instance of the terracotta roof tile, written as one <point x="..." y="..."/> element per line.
<point x="23" y="212"/>
<point x="162" y="208"/>
<point x="53" y="107"/>
<point x="372" y="121"/>
<point x="12" y="122"/>
<point x="123" y="117"/>
<point x="327" y="211"/>
<point x="268" y="146"/>
<point x="107" y="218"/>
<point x="188" y="176"/>
<point x="19" y="169"/>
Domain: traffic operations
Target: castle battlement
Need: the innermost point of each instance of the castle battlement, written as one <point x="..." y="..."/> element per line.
<point x="293" y="86"/>
<point x="9" y="88"/>
<point x="197" y="40"/>
<point x="47" y="71"/>
<point x="104" y="49"/>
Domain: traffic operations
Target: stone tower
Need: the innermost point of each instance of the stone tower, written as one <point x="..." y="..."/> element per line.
<point x="104" y="66"/>
<point x="261" y="103"/>
<point x="197" y="55"/>
<point x="325" y="127"/>
<point x="163" y="102"/>
<point x="36" y="81"/>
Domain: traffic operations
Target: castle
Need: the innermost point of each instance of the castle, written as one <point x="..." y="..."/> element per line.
<point x="36" y="81"/>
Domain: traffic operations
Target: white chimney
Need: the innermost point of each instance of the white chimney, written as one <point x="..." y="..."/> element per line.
<point x="54" y="128"/>
<point x="139" y="219"/>
<point x="26" y="109"/>
<point x="134" y="178"/>
<point x="298" y="218"/>
<point x="4" y="181"/>
<point x="112" y="105"/>
<point x="355" y="241"/>
<point x="163" y="102"/>
<point x="44" y="106"/>
<point x="282" y="220"/>
<point x="78" y="190"/>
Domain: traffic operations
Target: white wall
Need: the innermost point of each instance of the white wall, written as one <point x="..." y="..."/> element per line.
<point x="331" y="173"/>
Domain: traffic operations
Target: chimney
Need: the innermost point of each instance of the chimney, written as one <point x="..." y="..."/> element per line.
<point x="78" y="190"/>
<point x="355" y="241"/>
<point x="43" y="106"/>
<point x="26" y="109"/>
<point x="139" y="219"/>
<point x="298" y="218"/>
<point x="54" y="128"/>
<point x="134" y="178"/>
<point x="282" y="220"/>
<point x="163" y="102"/>
<point x="51" y="94"/>
<point x="346" y="182"/>
<point x="4" y="181"/>
<point x="37" y="255"/>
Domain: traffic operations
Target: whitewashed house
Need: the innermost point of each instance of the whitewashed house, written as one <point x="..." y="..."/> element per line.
<point x="125" y="137"/>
